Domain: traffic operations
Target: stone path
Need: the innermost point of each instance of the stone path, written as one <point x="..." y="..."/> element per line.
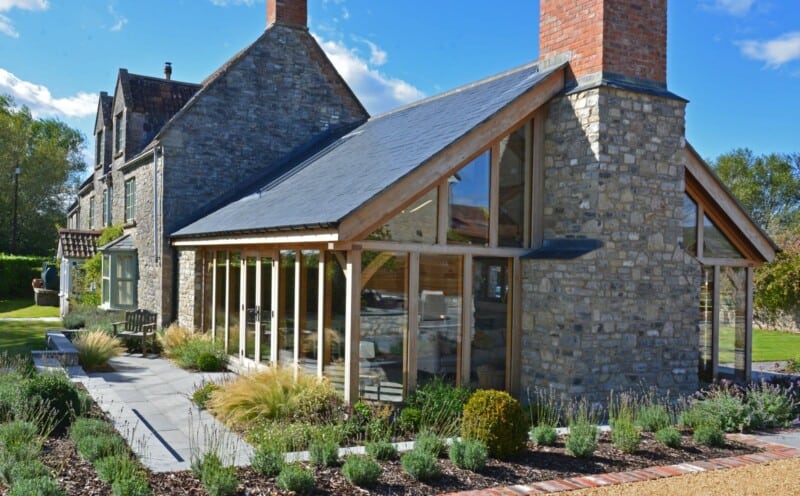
<point x="149" y="401"/>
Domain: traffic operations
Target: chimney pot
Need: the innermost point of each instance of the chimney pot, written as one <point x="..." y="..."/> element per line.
<point x="287" y="12"/>
<point x="167" y="70"/>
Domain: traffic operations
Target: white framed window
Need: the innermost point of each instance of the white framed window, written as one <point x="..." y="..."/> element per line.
<point x="107" y="207"/>
<point x="91" y="212"/>
<point x="119" y="286"/>
<point x="130" y="200"/>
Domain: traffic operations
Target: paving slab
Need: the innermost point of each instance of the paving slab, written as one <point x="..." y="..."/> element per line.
<point x="149" y="401"/>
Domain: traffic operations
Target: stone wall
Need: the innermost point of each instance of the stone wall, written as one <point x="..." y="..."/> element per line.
<point x="190" y="288"/>
<point x="625" y="315"/>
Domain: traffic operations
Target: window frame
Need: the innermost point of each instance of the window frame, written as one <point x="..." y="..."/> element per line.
<point x="91" y="212"/>
<point x="130" y="200"/>
<point x="107" y="206"/>
<point x="109" y="292"/>
<point x="118" y="134"/>
<point x="98" y="150"/>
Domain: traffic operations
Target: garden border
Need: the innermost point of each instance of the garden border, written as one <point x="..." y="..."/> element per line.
<point x="771" y="452"/>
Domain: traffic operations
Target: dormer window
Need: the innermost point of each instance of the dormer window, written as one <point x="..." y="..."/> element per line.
<point x="98" y="148"/>
<point x="118" y="133"/>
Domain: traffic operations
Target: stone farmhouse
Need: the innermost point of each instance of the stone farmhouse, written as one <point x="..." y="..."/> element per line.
<point x="544" y="227"/>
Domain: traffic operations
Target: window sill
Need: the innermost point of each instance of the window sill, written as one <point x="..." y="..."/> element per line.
<point x="129" y="224"/>
<point x="117" y="155"/>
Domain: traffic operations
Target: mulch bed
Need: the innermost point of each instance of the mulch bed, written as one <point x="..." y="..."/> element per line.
<point x="536" y="464"/>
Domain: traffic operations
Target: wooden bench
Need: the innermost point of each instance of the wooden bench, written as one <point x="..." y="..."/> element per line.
<point x="138" y="323"/>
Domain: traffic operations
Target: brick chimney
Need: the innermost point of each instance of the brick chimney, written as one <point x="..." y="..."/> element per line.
<point x="287" y="12"/>
<point x="609" y="39"/>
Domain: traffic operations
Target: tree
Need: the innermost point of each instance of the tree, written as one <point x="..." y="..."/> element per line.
<point x="48" y="153"/>
<point x="768" y="186"/>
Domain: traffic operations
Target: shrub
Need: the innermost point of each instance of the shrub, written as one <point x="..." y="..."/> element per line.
<point x="202" y="394"/>
<point x="28" y="469"/>
<point x="273" y="394"/>
<point x="544" y="435"/>
<point x="410" y="419"/>
<point x="625" y="436"/>
<point x="440" y="406"/>
<point x="16" y="273"/>
<point x="210" y="362"/>
<point x="188" y="355"/>
<point x="89" y="427"/>
<point x="295" y="436"/>
<point x="770" y="406"/>
<point x="96" y="348"/>
<point x="470" y="454"/>
<point x="669" y="436"/>
<point x="429" y="442"/>
<point x="95" y="448"/>
<point x="295" y="478"/>
<point x="582" y="439"/>
<point x="40" y="486"/>
<point x="268" y="460"/>
<point x="361" y="471"/>
<point x="653" y="418"/>
<point x="324" y="452"/>
<point x="793" y="365"/>
<point x="133" y="486"/>
<point x="497" y="420"/>
<point x="173" y="338"/>
<point x="54" y="390"/>
<point x="709" y="434"/>
<point x="115" y="467"/>
<point x="74" y="320"/>
<point x="381" y="450"/>
<point x="217" y="479"/>
<point x="724" y="404"/>
<point x="420" y="465"/>
<point x="16" y="434"/>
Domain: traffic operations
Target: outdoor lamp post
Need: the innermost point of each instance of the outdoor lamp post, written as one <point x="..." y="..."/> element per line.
<point x="14" y="215"/>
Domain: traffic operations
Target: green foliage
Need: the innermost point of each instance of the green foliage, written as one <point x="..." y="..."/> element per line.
<point x="90" y="317"/>
<point x="115" y="467"/>
<point x="381" y="450"/>
<point x="440" y="406"/>
<point x="769" y="406"/>
<point x="496" y="419"/>
<point x="324" y="452"/>
<point x="420" y="465"/>
<point x="430" y="442"/>
<point x="653" y="417"/>
<point x="794" y="364"/>
<point x="217" y="479"/>
<point x="293" y="436"/>
<point x="96" y="348"/>
<point x="200" y="348"/>
<point x="109" y="234"/>
<point x="58" y="393"/>
<point x="469" y="454"/>
<point x="777" y="286"/>
<point x="410" y="418"/>
<point x="669" y="436"/>
<point x="16" y="434"/>
<point x="361" y="471"/>
<point x="202" y="394"/>
<point x="544" y="435"/>
<point x="49" y="155"/>
<point x="40" y="486"/>
<point x="16" y="274"/>
<point x="101" y="446"/>
<point x="709" y="433"/>
<point x="582" y="439"/>
<point x="268" y="460"/>
<point x="295" y="478"/>
<point x="88" y="279"/>
<point x="210" y="362"/>
<point x="88" y="427"/>
<point x="134" y="486"/>
<point x="27" y="469"/>
<point x="625" y="436"/>
<point x="722" y="404"/>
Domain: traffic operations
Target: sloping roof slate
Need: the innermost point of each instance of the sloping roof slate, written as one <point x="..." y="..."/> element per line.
<point x="77" y="244"/>
<point x="125" y="243"/>
<point x="322" y="190"/>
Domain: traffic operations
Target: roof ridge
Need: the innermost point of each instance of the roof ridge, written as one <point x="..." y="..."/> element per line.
<point x="163" y="80"/>
<point x="461" y="88"/>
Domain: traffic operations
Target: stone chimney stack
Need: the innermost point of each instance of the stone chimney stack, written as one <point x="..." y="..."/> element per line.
<point x="167" y="70"/>
<point x="609" y="39"/>
<point x="293" y="12"/>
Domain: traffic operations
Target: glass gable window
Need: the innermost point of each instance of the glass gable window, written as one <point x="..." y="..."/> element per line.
<point x="118" y="133"/>
<point x="130" y="199"/>
<point x="715" y="243"/>
<point x="335" y="314"/>
<point x="286" y="318"/>
<point x="98" y="152"/>
<point x="469" y="203"/>
<point x="511" y="200"/>
<point x="689" y="225"/>
<point x="414" y="224"/>
<point x="440" y="299"/>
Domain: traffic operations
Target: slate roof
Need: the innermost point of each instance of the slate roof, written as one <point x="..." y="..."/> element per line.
<point x="125" y="243"/>
<point x="322" y="190"/>
<point x="74" y="243"/>
<point x="150" y="95"/>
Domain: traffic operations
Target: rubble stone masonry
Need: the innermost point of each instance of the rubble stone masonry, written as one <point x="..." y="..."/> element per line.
<point x="624" y="315"/>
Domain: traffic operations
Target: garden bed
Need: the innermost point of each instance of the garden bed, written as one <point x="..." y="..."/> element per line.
<point x="78" y="476"/>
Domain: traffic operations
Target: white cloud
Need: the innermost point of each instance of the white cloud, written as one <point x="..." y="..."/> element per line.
<point x="119" y="20"/>
<point x="377" y="56"/>
<point x="377" y="91"/>
<point x="775" y="52"/>
<point x="6" y="5"/>
<point x="6" y="26"/>
<point x="732" y="7"/>
<point x="41" y="102"/>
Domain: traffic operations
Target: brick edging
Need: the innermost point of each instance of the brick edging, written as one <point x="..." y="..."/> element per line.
<point x="771" y="452"/>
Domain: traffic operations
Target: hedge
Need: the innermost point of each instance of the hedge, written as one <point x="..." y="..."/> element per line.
<point x="16" y="274"/>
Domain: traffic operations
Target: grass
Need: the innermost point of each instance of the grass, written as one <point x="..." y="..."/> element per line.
<point x="768" y="346"/>
<point x="23" y="336"/>
<point x="25" y="309"/>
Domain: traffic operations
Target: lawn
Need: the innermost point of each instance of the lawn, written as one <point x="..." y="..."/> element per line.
<point x="768" y="346"/>
<point x="25" y="309"/>
<point x="23" y="336"/>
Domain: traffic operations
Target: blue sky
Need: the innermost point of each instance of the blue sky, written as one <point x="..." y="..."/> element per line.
<point x="737" y="61"/>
